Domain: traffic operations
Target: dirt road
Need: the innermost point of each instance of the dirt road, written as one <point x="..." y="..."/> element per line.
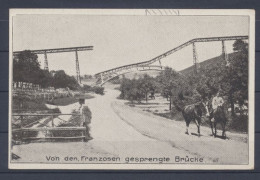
<point x="128" y="131"/>
<point x="122" y="131"/>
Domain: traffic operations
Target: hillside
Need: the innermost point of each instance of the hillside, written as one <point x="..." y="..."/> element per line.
<point x="207" y="63"/>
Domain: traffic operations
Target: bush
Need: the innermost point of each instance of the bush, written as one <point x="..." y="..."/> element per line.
<point x="95" y="89"/>
<point x="87" y="88"/>
<point x="136" y="89"/>
<point x="238" y="123"/>
<point x="56" y="110"/>
<point x="98" y="90"/>
<point x="22" y="103"/>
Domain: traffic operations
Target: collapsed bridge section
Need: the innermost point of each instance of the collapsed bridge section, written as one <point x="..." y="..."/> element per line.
<point x="107" y="75"/>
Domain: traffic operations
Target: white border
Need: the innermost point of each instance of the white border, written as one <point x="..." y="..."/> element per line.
<point x="251" y="90"/>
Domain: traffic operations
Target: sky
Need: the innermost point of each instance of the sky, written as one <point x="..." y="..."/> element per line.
<point x="120" y="40"/>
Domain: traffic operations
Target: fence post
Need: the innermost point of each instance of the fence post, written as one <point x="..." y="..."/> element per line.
<point x="82" y="119"/>
<point x="21" y="121"/>
<point x="52" y="123"/>
<point x="22" y="133"/>
<point x="82" y="124"/>
<point x="83" y="134"/>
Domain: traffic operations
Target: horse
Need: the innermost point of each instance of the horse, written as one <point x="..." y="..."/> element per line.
<point x="215" y="117"/>
<point x="194" y="113"/>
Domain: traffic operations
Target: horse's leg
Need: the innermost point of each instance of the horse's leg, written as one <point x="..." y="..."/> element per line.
<point x="215" y="127"/>
<point x="211" y="125"/>
<point x="223" y="129"/>
<point x="187" y="126"/>
<point x="198" y="126"/>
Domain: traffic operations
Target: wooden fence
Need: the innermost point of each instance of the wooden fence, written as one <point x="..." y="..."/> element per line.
<point x="34" y="91"/>
<point x="24" y="133"/>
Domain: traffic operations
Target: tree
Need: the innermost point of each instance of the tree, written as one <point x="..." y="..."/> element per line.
<point x="62" y="80"/>
<point x="132" y="90"/>
<point x="146" y="84"/>
<point x="169" y="80"/>
<point x="125" y="87"/>
<point x="231" y="78"/>
<point x="236" y="76"/>
<point x="135" y="92"/>
<point x="26" y="67"/>
<point x="45" y="79"/>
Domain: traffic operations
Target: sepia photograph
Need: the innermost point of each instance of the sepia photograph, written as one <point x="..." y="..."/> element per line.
<point x="131" y="89"/>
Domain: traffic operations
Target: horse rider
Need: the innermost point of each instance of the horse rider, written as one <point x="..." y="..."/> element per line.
<point x="217" y="101"/>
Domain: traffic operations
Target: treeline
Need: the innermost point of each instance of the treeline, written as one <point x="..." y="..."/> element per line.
<point x="229" y="78"/>
<point x="26" y="68"/>
<point x="168" y="83"/>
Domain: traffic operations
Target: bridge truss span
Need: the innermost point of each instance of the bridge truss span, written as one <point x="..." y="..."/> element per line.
<point x="105" y="76"/>
<point x="60" y="50"/>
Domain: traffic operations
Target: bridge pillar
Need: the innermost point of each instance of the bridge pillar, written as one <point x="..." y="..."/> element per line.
<point x="160" y="63"/>
<point x="224" y="53"/>
<point x="77" y="67"/>
<point x="195" y="59"/>
<point x="101" y="76"/>
<point x="46" y="67"/>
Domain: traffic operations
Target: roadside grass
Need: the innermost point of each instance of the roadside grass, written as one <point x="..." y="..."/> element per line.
<point x="28" y="105"/>
<point x="142" y="103"/>
<point x="237" y="124"/>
